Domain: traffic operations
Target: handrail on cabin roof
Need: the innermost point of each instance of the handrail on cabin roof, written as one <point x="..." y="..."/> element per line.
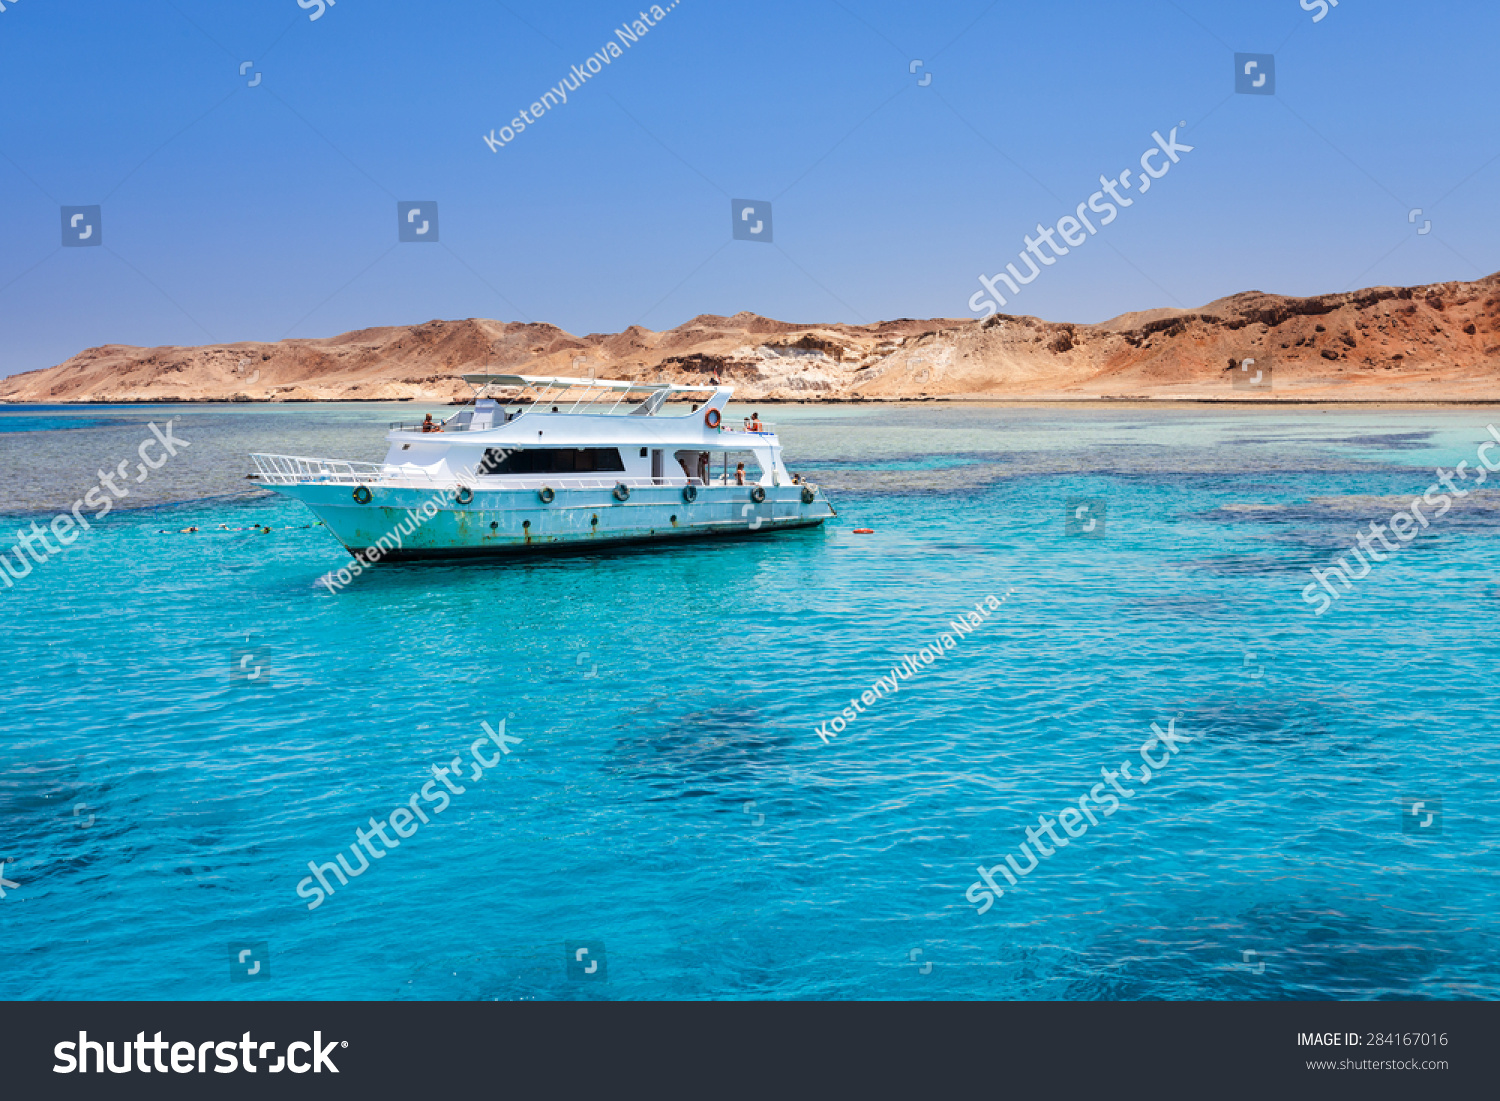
<point x="550" y="381"/>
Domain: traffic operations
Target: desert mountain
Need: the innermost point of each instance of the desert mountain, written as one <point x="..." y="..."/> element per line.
<point x="1437" y="342"/>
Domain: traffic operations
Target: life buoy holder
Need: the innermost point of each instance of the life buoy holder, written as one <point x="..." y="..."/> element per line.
<point x="464" y="495"/>
<point x="689" y="494"/>
<point x="546" y="495"/>
<point x="712" y="418"/>
<point x="362" y="494"/>
<point x="758" y="494"/>
<point x="622" y="492"/>
<point x="808" y="493"/>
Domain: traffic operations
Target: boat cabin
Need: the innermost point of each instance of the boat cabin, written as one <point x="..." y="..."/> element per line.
<point x="524" y="429"/>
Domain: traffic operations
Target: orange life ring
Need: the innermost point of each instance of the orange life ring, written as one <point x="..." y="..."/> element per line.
<point x="712" y="418"/>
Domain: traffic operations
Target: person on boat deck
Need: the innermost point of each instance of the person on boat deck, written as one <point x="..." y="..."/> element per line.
<point x="796" y="479"/>
<point x="428" y="426"/>
<point x="739" y="474"/>
<point x="755" y="422"/>
<point x="703" y="467"/>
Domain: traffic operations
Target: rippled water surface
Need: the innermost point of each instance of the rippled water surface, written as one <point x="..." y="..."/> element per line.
<point x="670" y="797"/>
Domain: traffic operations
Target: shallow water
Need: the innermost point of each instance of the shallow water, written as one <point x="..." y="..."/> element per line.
<point x="155" y="809"/>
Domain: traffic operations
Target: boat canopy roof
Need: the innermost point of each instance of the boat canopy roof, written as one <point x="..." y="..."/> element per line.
<point x="557" y="382"/>
<point x="589" y="395"/>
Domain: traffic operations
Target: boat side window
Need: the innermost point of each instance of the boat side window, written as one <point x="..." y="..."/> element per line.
<point x="552" y="460"/>
<point x="600" y="458"/>
<point x="722" y="464"/>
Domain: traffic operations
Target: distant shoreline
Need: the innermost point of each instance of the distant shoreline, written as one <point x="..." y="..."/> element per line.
<point x="1437" y="344"/>
<point x="954" y="400"/>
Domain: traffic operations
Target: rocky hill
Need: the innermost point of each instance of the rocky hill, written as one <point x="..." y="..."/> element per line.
<point x="1438" y="342"/>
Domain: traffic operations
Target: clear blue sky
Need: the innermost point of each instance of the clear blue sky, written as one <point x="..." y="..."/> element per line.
<point x="233" y="212"/>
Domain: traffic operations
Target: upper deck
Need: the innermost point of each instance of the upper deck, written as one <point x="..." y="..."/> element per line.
<point x="558" y="411"/>
<point x="563" y="431"/>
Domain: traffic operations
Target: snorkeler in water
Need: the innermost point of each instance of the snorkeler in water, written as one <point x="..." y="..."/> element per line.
<point x="259" y="529"/>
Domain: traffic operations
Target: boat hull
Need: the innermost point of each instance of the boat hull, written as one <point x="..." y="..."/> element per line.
<point x="402" y="524"/>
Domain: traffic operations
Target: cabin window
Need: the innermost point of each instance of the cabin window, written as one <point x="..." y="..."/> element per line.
<point x="552" y="460"/>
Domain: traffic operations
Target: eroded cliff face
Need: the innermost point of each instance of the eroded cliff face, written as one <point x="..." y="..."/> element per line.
<point x="1438" y="342"/>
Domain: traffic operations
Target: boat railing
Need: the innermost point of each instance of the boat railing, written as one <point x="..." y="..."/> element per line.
<point x="572" y="481"/>
<point x="419" y="426"/>
<point x="448" y="428"/>
<point x="300" y="470"/>
<point x="451" y="426"/>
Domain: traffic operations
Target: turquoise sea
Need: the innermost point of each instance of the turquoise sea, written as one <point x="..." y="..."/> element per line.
<point x="192" y="719"/>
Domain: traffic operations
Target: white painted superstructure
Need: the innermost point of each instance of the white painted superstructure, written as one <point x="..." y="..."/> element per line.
<point x="570" y="463"/>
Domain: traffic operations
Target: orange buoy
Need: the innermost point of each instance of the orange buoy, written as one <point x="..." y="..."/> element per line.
<point x="864" y="531"/>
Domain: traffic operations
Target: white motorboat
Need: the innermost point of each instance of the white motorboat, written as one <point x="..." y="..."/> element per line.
<point x="561" y="463"/>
